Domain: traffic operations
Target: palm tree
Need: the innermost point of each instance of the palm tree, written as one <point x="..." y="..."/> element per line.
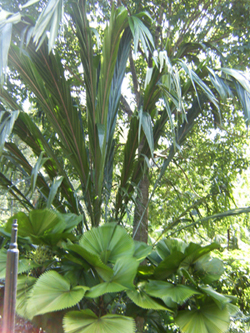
<point x="74" y="165"/>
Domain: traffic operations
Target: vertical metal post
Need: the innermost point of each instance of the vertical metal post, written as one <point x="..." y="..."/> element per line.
<point x="9" y="309"/>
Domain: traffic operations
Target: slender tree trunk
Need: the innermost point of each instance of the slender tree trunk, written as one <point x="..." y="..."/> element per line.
<point x="139" y="324"/>
<point x="140" y="231"/>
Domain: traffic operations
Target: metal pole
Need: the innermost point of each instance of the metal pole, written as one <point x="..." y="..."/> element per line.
<point x="9" y="309"/>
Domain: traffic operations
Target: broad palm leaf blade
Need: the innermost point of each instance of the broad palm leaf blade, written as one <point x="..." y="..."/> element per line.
<point x="178" y="293"/>
<point x="91" y="259"/>
<point x="208" y="319"/>
<point x="125" y="270"/>
<point x="85" y="321"/>
<point x="51" y="293"/>
<point x="24" y="287"/>
<point x="218" y="298"/>
<point x="39" y="222"/>
<point x="143" y="300"/>
<point x="109" y="241"/>
<point x="24" y="265"/>
<point x="142" y="250"/>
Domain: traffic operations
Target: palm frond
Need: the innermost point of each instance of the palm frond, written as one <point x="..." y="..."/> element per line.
<point x="49" y="20"/>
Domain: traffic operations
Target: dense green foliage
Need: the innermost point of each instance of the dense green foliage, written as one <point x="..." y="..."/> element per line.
<point x="100" y="274"/>
<point x="160" y="156"/>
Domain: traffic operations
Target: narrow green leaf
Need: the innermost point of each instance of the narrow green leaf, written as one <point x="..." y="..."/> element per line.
<point x="5" y="39"/>
<point x="3" y="260"/>
<point x="34" y="174"/>
<point x="148" y="131"/>
<point x="104" y="288"/>
<point x="239" y="76"/>
<point x="7" y="121"/>
<point x="49" y="20"/>
<point x="29" y="3"/>
<point x="53" y="190"/>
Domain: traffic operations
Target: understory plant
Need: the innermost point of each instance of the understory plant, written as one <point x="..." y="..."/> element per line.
<point x="104" y="281"/>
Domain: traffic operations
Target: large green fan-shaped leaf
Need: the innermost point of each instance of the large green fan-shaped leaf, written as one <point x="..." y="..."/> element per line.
<point x="3" y="260"/>
<point x="103" y="270"/>
<point x="194" y="251"/>
<point x="104" y="288"/>
<point x="210" y="269"/>
<point x="44" y="226"/>
<point x="109" y="241"/>
<point x="38" y="223"/>
<point x="124" y="273"/>
<point x="24" y="287"/>
<point x="208" y="319"/>
<point x="85" y="321"/>
<point x="143" y="300"/>
<point x="24" y="225"/>
<point x="52" y="293"/>
<point x="166" y="246"/>
<point x="24" y="265"/>
<point x="142" y="250"/>
<point x="178" y="293"/>
<point x="169" y="265"/>
<point x="218" y="298"/>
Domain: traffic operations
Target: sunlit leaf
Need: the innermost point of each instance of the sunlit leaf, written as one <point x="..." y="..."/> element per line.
<point x="125" y="270"/>
<point x="7" y="121"/>
<point x="85" y="321"/>
<point x="218" y="298"/>
<point x="208" y="319"/>
<point x="52" y="292"/>
<point x="143" y="300"/>
<point x="109" y="241"/>
<point x="53" y="190"/>
<point x="142" y="250"/>
<point x="30" y="3"/>
<point x="179" y="293"/>
<point x="24" y="287"/>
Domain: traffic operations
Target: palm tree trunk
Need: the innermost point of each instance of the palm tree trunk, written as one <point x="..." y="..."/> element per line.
<point x="140" y="226"/>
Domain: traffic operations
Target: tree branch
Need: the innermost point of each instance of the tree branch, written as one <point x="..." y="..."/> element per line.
<point x="134" y="78"/>
<point x="126" y="107"/>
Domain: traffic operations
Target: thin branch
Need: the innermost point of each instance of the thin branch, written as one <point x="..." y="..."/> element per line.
<point x="126" y="107"/>
<point x="186" y="178"/>
<point x="233" y="212"/>
<point x="134" y="78"/>
<point x="178" y="219"/>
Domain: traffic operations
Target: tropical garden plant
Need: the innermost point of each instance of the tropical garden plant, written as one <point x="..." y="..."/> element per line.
<point x="67" y="259"/>
<point x="101" y="283"/>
